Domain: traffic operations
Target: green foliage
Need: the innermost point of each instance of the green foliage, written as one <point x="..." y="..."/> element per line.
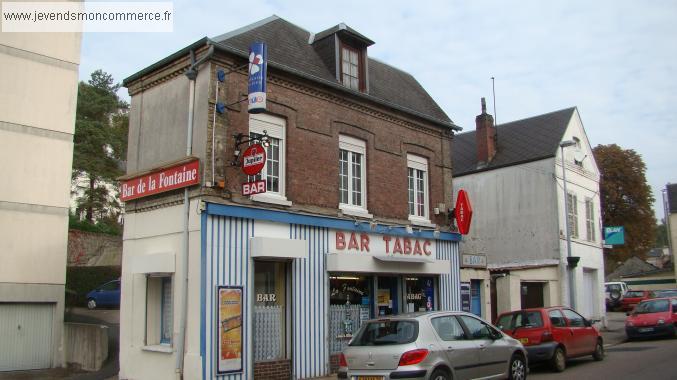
<point x="626" y="200"/>
<point x="100" y="146"/>
<point x="104" y="225"/>
<point x="661" y="235"/>
<point x="81" y="280"/>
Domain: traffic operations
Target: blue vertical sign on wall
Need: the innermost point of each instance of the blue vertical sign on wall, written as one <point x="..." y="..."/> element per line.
<point x="258" y="66"/>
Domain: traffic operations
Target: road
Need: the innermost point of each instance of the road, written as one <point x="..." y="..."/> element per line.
<point x="647" y="359"/>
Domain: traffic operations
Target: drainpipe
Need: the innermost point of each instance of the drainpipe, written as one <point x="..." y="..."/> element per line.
<point x="183" y="307"/>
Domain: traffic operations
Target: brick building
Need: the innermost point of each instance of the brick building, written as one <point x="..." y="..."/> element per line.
<point x="353" y="223"/>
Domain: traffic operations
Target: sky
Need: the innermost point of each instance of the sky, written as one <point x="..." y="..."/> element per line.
<point x="614" y="60"/>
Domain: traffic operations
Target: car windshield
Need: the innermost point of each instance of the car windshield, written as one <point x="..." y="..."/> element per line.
<point x="380" y="333"/>
<point x="656" y="306"/>
<point x="634" y="293"/>
<point x="611" y="287"/>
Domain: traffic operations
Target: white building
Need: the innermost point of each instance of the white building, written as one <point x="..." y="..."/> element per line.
<point x="38" y="95"/>
<point x="513" y="175"/>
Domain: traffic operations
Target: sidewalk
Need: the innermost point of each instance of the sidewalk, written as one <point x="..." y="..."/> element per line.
<point x="614" y="333"/>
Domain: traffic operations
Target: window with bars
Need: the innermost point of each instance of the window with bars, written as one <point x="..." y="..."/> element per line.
<point x="572" y="214"/>
<point x="352" y="174"/>
<point x="590" y="219"/>
<point x="417" y="168"/>
<point x="350" y="67"/>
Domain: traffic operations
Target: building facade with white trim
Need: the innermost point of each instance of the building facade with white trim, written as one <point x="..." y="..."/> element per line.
<point x="513" y="174"/>
<point x="353" y="225"/>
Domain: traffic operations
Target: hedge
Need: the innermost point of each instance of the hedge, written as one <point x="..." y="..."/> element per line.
<point x="81" y="280"/>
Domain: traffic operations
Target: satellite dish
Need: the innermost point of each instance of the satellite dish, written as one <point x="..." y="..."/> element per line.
<point x="579" y="156"/>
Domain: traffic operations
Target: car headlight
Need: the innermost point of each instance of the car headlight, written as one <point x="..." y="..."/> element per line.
<point x="661" y="322"/>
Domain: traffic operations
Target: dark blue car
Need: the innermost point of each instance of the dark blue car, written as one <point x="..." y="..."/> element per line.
<point x="107" y="294"/>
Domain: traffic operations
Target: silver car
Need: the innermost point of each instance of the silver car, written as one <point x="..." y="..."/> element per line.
<point x="439" y="345"/>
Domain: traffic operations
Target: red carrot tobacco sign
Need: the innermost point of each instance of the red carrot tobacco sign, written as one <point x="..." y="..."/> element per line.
<point x="171" y="178"/>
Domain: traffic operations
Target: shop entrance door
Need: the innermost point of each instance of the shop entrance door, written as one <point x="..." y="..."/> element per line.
<point x="386" y="295"/>
<point x="475" y="297"/>
<point x="270" y="311"/>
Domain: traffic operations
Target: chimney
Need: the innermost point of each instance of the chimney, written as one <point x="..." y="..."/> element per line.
<point x="485" y="135"/>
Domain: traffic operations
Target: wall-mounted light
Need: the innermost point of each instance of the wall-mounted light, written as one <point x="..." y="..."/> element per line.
<point x="409" y="229"/>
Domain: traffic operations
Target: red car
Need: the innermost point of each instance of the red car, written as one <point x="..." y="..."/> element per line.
<point x="553" y="334"/>
<point x="651" y="318"/>
<point x="633" y="297"/>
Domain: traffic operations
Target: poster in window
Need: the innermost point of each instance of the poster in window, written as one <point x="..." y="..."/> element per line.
<point x="229" y="339"/>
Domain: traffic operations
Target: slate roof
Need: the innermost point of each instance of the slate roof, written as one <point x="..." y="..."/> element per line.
<point x="518" y="142"/>
<point x="634" y="266"/>
<point x="672" y="197"/>
<point x="289" y="50"/>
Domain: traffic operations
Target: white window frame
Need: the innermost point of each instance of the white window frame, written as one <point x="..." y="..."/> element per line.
<point x="275" y="127"/>
<point x="353" y="145"/>
<point x="350" y="79"/>
<point x="572" y="213"/>
<point x="421" y="164"/>
<point x="159" y="313"/>
<point x="590" y="219"/>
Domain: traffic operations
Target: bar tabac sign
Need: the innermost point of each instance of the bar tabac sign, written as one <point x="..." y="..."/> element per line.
<point x="161" y="180"/>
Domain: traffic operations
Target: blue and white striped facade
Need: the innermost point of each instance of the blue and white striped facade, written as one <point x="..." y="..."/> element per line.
<point x="226" y="259"/>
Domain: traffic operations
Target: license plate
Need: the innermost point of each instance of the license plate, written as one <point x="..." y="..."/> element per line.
<point x="369" y="378"/>
<point x="524" y="340"/>
<point x="645" y="329"/>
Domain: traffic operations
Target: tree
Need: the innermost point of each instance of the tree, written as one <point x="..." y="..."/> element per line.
<point x="626" y="201"/>
<point x="100" y="146"/>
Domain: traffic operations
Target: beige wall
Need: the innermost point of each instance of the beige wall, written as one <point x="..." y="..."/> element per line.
<point x="508" y="294"/>
<point x="38" y="96"/>
<point x="158" y="232"/>
<point x="483" y="275"/>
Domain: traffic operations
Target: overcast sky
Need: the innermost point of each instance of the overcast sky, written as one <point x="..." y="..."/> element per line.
<point x="614" y="60"/>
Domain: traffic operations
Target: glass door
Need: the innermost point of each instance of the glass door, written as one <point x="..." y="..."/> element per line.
<point x="270" y="310"/>
<point x="386" y="295"/>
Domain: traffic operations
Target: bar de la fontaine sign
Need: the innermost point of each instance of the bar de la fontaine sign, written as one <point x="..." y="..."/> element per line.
<point x="161" y="180"/>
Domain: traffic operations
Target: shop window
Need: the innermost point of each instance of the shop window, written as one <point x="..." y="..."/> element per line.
<point x="159" y="310"/>
<point x="417" y="169"/>
<point x="350" y="304"/>
<point x="420" y="294"/>
<point x="274" y="170"/>
<point x="352" y="176"/>
<point x="270" y="310"/>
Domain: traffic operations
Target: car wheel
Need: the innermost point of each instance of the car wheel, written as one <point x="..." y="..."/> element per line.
<point x="558" y="362"/>
<point x="91" y="304"/>
<point x="440" y="374"/>
<point x="518" y="368"/>
<point x="598" y="355"/>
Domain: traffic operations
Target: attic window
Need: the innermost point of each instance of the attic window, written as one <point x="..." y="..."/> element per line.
<point x="351" y="67"/>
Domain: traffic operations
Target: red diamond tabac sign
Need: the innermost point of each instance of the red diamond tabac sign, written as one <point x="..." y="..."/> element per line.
<point x="463" y="212"/>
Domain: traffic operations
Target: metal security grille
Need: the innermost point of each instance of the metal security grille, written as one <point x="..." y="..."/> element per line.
<point x="337" y="317"/>
<point x="267" y="332"/>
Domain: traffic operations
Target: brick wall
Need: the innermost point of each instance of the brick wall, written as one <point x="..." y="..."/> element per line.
<point x="273" y="370"/>
<point x="314" y="119"/>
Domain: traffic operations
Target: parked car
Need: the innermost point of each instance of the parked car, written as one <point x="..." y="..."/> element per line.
<point x="553" y="334"/>
<point x="614" y="292"/>
<point x="664" y="293"/>
<point x="632" y="297"/>
<point x="107" y="294"/>
<point x="652" y="318"/>
<point x="431" y="345"/>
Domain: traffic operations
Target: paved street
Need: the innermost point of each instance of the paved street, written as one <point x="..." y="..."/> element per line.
<point x="650" y="359"/>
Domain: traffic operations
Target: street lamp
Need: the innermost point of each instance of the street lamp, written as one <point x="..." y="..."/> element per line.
<point x="571" y="260"/>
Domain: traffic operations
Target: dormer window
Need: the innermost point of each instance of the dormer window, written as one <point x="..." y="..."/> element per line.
<point x="350" y="68"/>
